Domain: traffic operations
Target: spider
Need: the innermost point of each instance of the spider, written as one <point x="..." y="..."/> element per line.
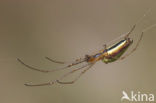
<point x="107" y="55"/>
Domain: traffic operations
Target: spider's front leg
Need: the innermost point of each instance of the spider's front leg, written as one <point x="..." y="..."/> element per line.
<point x="62" y="77"/>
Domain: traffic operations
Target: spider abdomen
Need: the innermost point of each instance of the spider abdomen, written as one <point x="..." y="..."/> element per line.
<point x="114" y="52"/>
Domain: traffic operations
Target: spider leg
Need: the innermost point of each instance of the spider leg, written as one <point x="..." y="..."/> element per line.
<point x="133" y="48"/>
<point x="126" y="35"/>
<point x="146" y="29"/>
<point x="65" y="75"/>
<point x="46" y="71"/>
<point x="73" y="81"/>
<point x="77" y="61"/>
<point x="54" y="61"/>
<point x="132" y="29"/>
<point x="30" y="67"/>
<point x="148" y="11"/>
<point x="53" y="82"/>
<point x="42" y="84"/>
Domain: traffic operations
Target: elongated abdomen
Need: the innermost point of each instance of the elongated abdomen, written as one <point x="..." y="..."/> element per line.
<point x="116" y="51"/>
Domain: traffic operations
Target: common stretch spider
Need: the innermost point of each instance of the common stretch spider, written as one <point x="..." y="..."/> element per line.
<point x="107" y="55"/>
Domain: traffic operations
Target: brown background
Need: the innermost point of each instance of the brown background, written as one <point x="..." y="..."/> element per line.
<point x="69" y="29"/>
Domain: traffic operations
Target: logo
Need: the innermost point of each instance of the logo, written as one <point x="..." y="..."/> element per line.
<point x="137" y="96"/>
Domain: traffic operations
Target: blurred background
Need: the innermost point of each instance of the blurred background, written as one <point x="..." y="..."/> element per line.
<point x="66" y="30"/>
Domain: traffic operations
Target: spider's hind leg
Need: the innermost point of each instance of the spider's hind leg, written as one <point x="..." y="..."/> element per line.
<point x="73" y="81"/>
<point x="134" y="49"/>
<point x="132" y="29"/>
